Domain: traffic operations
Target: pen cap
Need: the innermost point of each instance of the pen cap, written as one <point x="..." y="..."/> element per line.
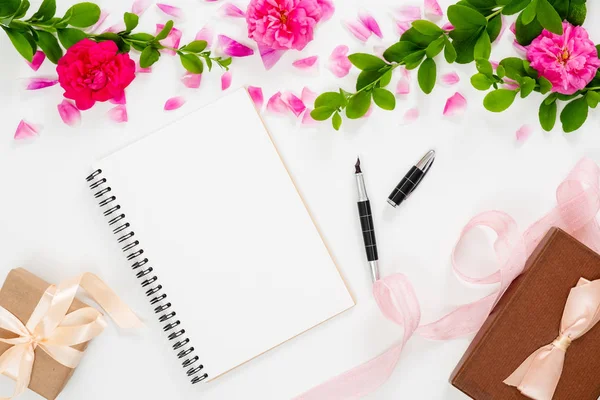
<point x="406" y="186"/>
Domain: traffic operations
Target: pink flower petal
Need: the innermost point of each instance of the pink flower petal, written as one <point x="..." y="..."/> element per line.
<point x="379" y="50"/>
<point x="118" y="114"/>
<point x="269" y="56"/>
<point x="502" y="29"/>
<point x="369" y="112"/>
<point x="410" y="115"/>
<point x="172" y="40"/>
<point x="510" y="84"/>
<point x="403" y="86"/>
<point x="327" y="9"/>
<point x="69" y="113"/>
<point x="409" y="13"/>
<point x="307" y="119"/>
<point x="140" y="6"/>
<point x="170" y="10"/>
<point x="513" y="27"/>
<point x="308" y="96"/>
<point x="26" y="130"/>
<point x="141" y="70"/>
<point x="433" y="9"/>
<point x="370" y="23"/>
<point x="339" y="64"/>
<point x="293" y="103"/>
<point x="174" y="103"/>
<point x="226" y="80"/>
<point x="450" y="79"/>
<point x="402" y="26"/>
<point x="37" y="61"/>
<point x="455" y="105"/>
<point x="103" y="15"/>
<point x="119" y="99"/>
<point x="276" y="105"/>
<point x="523" y="133"/>
<point x="118" y="27"/>
<point x="192" y="81"/>
<point x="359" y="31"/>
<point x="231" y="10"/>
<point x="448" y="27"/>
<point x="207" y="34"/>
<point x="233" y="48"/>
<point x="494" y="64"/>
<point x="40" y="83"/>
<point x="305" y="63"/>
<point x="256" y="94"/>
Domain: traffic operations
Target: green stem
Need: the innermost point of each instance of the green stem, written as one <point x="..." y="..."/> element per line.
<point x="372" y="84"/>
<point x="492" y="15"/>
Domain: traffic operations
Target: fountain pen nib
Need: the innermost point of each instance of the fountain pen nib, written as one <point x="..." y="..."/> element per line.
<point x="425" y="163"/>
<point x="357" y="166"/>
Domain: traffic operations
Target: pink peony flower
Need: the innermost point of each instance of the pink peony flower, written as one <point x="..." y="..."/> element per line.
<point x="285" y="24"/>
<point x="569" y="61"/>
<point x="91" y="72"/>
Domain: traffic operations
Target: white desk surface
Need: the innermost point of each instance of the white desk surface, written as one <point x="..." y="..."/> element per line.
<point x="50" y="225"/>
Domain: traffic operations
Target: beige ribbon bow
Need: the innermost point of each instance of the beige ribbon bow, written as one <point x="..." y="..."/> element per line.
<point x="50" y="328"/>
<point x="538" y="376"/>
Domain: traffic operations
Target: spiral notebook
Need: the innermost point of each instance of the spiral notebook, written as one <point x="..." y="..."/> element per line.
<point x="211" y="223"/>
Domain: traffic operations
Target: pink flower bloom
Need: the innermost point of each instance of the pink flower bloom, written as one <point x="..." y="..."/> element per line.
<point x="285" y="24"/>
<point x="569" y="61"/>
<point x="91" y="72"/>
<point x="339" y="63"/>
<point x="69" y="113"/>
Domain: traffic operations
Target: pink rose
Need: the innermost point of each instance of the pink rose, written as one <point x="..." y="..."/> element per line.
<point x="91" y="72"/>
<point x="285" y="24"/>
<point x="569" y="61"/>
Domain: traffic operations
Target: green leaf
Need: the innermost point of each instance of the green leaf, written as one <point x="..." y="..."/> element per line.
<point x="481" y="82"/>
<point x="499" y="100"/>
<point x="545" y="85"/>
<point x="494" y="27"/>
<point x="500" y="71"/>
<point x="149" y="56"/>
<point x="515" y="6"/>
<point x="366" y="62"/>
<point x="192" y="63"/>
<point x="82" y="15"/>
<point x="574" y="115"/>
<point x="385" y="79"/>
<point x="165" y="31"/>
<point x="592" y="98"/>
<point x="482" y="4"/>
<point x="548" y="17"/>
<point x="322" y="113"/>
<point x="551" y="98"/>
<point x="358" y="105"/>
<point x="465" y="18"/>
<point x="562" y="6"/>
<point x="45" y="12"/>
<point x="145" y="37"/>
<point x="465" y="45"/>
<point x="69" y="36"/>
<point x="485" y="67"/>
<point x="513" y="67"/>
<point x="427" y="28"/>
<point x="209" y="63"/>
<point x="449" y="52"/>
<point x="531" y="72"/>
<point x="525" y="33"/>
<point x="329" y="99"/>
<point x="527" y="85"/>
<point x="414" y="60"/>
<point x="366" y="78"/>
<point x="196" y="46"/>
<point x="427" y="75"/>
<point x="131" y="21"/>
<point x="20" y="42"/>
<point x="384" y="99"/>
<point x="50" y="46"/>
<point x="22" y="10"/>
<point x="483" y="47"/>
<point x="9" y="7"/>
<point x="416" y="37"/>
<point x="528" y="14"/>
<point x="577" y="13"/>
<point x="336" y="121"/>
<point x="547" y="115"/>
<point x="225" y="62"/>
<point x="435" y="47"/>
<point x="398" y="51"/>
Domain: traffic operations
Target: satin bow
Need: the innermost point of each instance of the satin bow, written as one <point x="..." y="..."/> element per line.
<point x="537" y="377"/>
<point x="55" y="331"/>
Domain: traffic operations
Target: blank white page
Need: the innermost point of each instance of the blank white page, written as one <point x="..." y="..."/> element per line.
<point x="227" y="233"/>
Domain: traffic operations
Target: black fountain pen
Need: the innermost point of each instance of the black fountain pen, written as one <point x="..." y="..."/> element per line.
<point x="411" y="180"/>
<point x="366" y="223"/>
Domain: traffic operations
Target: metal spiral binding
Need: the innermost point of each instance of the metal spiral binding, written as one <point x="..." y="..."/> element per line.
<point x="149" y="281"/>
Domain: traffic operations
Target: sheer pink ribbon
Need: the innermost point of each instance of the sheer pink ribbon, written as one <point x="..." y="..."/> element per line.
<point x="538" y="376"/>
<point x="578" y="199"/>
<point x="55" y="331"/>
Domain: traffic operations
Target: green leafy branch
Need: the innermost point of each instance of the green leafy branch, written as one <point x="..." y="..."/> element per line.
<point x="47" y="32"/>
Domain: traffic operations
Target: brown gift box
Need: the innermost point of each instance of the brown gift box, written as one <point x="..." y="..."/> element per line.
<point x="528" y="317"/>
<point x="20" y="294"/>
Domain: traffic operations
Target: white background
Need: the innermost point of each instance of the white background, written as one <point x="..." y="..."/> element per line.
<point x="50" y="224"/>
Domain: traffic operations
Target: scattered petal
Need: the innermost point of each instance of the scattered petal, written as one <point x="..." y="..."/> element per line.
<point x="103" y="15"/>
<point x="379" y="50"/>
<point x="269" y="56"/>
<point x="256" y="94"/>
<point x="40" y="83"/>
<point x="448" y="27"/>
<point x="433" y="9"/>
<point x="119" y="99"/>
<point x="118" y="114"/>
<point x="370" y="23"/>
<point x="118" y="27"/>
<point x="207" y="34"/>
<point x="409" y="13"/>
<point x="411" y="115"/>
<point x="26" y="130"/>
<point x="502" y="29"/>
<point x="233" y="48"/>
<point x="141" y="70"/>
<point x="226" y="80"/>
<point x="369" y="112"/>
<point x="69" y="113"/>
<point x="307" y="119"/>
<point x="403" y="86"/>
<point x="359" y="31"/>
<point x="455" y="105"/>
<point x="494" y="64"/>
<point x="170" y="10"/>
<point x="513" y="27"/>
<point x="510" y="84"/>
<point x="450" y="79"/>
<point x="308" y="96"/>
<point x="523" y="133"/>
<point x="276" y="104"/>
<point x="174" y="103"/>
<point x="140" y="6"/>
<point x="305" y="63"/>
<point x="192" y="81"/>
<point x="339" y="64"/>
<point x="293" y="103"/>
<point x="402" y="26"/>
<point x="231" y="10"/>
<point x="172" y="40"/>
<point x="37" y="61"/>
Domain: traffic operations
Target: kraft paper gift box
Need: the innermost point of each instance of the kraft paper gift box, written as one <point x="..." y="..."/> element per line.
<point x="527" y="317"/>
